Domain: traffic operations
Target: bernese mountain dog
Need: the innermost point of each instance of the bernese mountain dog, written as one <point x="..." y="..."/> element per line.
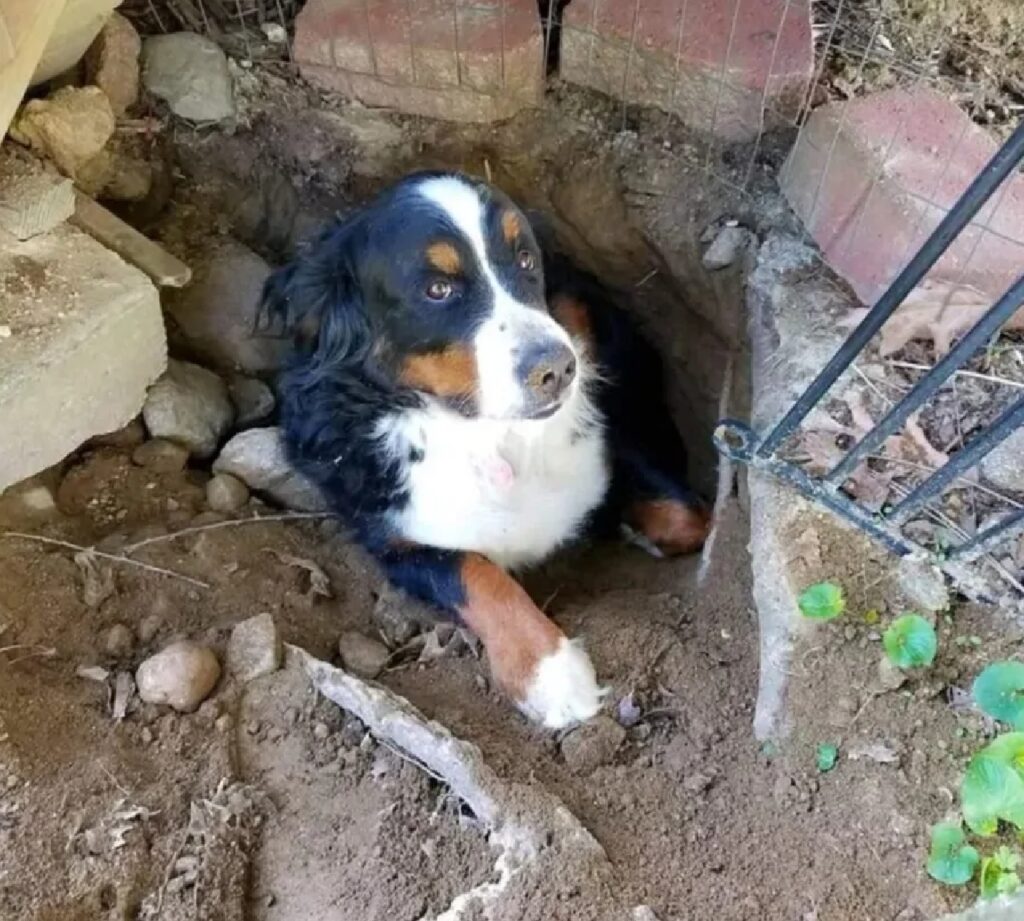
<point x="468" y="404"/>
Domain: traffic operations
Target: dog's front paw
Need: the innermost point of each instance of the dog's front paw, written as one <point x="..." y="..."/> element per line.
<point x="563" y="689"/>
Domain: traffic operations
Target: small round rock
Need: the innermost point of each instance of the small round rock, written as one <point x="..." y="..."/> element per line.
<point x="225" y="493"/>
<point x="119" y="641"/>
<point x="160" y="456"/>
<point x="362" y="655"/>
<point x="593" y="744"/>
<point x="181" y="675"/>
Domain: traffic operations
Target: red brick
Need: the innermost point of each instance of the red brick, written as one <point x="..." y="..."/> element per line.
<point x="462" y="61"/>
<point x="872" y="178"/>
<point x="717" y="63"/>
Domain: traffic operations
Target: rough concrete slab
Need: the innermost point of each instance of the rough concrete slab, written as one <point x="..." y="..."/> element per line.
<point x="86" y="340"/>
<point x="34" y="201"/>
<point x="792" y="310"/>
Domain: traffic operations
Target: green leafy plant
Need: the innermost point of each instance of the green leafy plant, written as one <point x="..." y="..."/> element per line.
<point x="991" y="791"/>
<point x="823" y="601"/>
<point x="999" y="874"/>
<point x="1009" y="749"/>
<point x="951" y="859"/>
<point x="999" y="691"/>
<point x="828" y="756"/>
<point x="910" y="642"/>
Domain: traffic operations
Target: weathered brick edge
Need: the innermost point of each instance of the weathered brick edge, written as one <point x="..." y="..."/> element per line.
<point x="733" y="90"/>
<point x="872" y="178"/>
<point x="477" y="79"/>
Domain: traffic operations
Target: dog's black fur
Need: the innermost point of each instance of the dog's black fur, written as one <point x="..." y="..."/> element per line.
<point x="342" y="300"/>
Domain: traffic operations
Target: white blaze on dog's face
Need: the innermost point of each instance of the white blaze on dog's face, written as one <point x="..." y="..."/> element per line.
<point x="525" y="363"/>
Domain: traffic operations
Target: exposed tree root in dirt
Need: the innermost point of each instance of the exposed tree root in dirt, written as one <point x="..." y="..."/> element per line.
<point x="536" y="837"/>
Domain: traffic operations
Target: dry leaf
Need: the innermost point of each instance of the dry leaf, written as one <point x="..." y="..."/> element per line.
<point x="124" y="687"/>
<point x="92" y="672"/>
<point x="319" y="582"/>
<point x="97" y="582"/>
<point x="937" y="311"/>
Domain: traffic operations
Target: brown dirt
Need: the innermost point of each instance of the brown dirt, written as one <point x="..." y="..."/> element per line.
<point x="270" y="804"/>
<point x="696" y="818"/>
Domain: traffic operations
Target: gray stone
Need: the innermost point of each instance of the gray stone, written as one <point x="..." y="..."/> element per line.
<point x="1005" y="908"/>
<point x="257" y="457"/>
<point x="254" y="401"/>
<point x="254" y="648"/>
<point x="214" y="316"/>
<point x="890" y="678"/>
<point x="119" y="641"/>
<point x="362" y="655"/>
<point x="1004" y="466"/>
<point x="190" y="73"/>
<point x="225" y="493"/>
<point x="923" y="584"/>
<point x="112" y="62"/>
<point x="182" y="675"/>
<point x="593" y="744"/>
<point x="189" y="406"/>
<point x="727" y="247"/>
<point x="161" y="456"/>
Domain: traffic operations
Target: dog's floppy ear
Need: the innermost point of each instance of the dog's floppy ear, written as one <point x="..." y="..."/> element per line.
<point x="316" y="298"/>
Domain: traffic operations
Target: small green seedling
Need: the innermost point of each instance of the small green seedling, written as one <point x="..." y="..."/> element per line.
<point x="991" y="792"/>
<point x="951" y="860"/>
<point x="823" y="601"/>
<point x="999" y="691"/>
<point x="910" y="642"/>
<point x="828" y="756"/>
<point x="999" y="874"/>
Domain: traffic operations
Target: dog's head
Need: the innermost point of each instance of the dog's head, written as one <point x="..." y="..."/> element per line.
<point x="436" y="287"/>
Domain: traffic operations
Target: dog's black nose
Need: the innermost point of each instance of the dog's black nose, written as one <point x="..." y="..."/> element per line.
<point x="546" y="370"/>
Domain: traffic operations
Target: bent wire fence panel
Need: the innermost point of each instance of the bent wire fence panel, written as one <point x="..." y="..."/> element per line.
<point x="761" y="450"/>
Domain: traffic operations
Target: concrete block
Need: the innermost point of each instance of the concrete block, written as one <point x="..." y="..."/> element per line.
<point x="86" y="340"/>
<point x="33" y="202"/>
<point x="727" y="68"/>
<point x="434" y="58"/>
<point x="871" y="179"/>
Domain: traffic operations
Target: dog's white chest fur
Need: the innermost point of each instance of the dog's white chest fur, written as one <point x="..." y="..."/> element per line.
<point x="513" y="491"/>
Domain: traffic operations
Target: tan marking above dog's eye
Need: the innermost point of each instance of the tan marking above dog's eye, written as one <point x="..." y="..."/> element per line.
<point x="510" y="227"/>
<point x="444" y="257"/>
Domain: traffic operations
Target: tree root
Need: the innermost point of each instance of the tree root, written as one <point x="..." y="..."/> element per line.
<point x="542" y="847"/>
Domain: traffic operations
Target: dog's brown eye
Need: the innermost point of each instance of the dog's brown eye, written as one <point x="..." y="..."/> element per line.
<point x="525" y="260"/>
<point x="439" y="290"/>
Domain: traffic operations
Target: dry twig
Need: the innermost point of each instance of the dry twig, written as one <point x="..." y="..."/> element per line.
<point x="216" y="525"/>
<point x="112" y="557"/>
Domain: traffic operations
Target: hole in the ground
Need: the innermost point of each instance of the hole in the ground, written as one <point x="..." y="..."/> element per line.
<point x="591" y="199"/>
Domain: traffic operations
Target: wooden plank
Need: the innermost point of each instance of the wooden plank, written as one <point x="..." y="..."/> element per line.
<point x="165" y="270"/>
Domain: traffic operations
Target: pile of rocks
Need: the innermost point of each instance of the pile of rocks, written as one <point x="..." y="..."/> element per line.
<point x="88" y="131"/>
<point x="192" y="413"/>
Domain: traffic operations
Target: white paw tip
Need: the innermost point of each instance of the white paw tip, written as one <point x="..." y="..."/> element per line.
<point x="564" y="689"/>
